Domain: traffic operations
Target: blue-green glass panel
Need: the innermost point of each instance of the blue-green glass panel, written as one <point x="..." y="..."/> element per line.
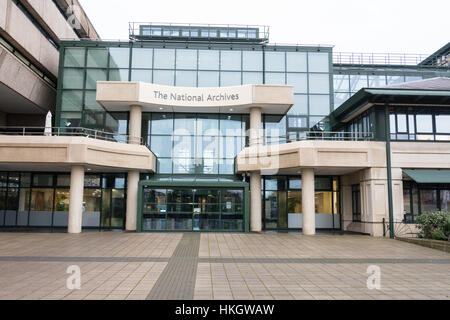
<point x="319" y="83"/>
<point x="318" y="61"/>
<point x="230" y="60"/>
<point x="164" y="77"/>
<point x="299" y="81"/>
<point x="186" y="78"/>
<point x="90" y="102"/>
<point x="161" y="146"/>
<point x="252" y="78"/>
<point x="300" y="105"/>
<point x="119" y="58"/>
<point x="142" y="58"/>
<point x="186" y="59"/>
<point x="94" y="75"/>
<point x="230" y="79"/>
<point x="141" y="75"/>
<point x="164" y="58"/>
<point x="275" y="78"/>
<point x="208" y="59"/>
<point x="72" y="100"/>
<point x="74" y="57"/>
<point x="73" y="79"/>
<point x="118" y="74"/>
<point x="97" y="58"/>
<point x="341" y="83"/>
<point x="185" y="124"/>
<point x="296" y="62"/>
<point x="275" y="61"/>
<point x="319" y="105"/>
<point x="252" y="60"/>
<point x="162" y="123"/>
<point x="208" y="79"/>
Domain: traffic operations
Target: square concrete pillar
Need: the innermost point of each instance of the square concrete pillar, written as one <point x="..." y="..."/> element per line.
<point x="308" y="202"/>
<point x="76" y="199"/>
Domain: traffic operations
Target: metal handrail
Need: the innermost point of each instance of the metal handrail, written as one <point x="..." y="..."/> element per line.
<point x="378" y="58"/>
<point x="320" y="135"/>
<point x="71" y="131"/>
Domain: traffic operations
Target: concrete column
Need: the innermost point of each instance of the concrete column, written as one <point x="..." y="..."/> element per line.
<point x="76" y="199"/>
<point x="256" y="209"/>
<point x="255" y="126"/>
<point x="135" y="124"/>
<point x="308" y="202"/>
<point x="132" y="200"/>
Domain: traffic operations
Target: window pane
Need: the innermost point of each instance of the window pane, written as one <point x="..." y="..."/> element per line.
<point x="230" y="147"/>
<point x="208" y="59"/>
<point x="340" y="98"/>
<point x="183" y="166"/>
<point x="118" y="75"/>
<point x="401" y="123"/>
<point x="186" y="59"/>
<point x="208" y="79"/>
<point x="97" y="58"/>
<point x="252" y="60"/>
<point x="161" y="146"/>
<point x="445" y="200"/>
<point x="119" y="57"/>
<point x="377" y="81"/>
<point x="341" y="83"/>
<point x="275" y="61"/>
<point x="424" y="123"/>
<point x="164" y="77"/>
<point x="73" y="79"/>
<point x="230" y="79"/>
<point x="299" y="81"/>
<point x="142" y="58"/>
<point x="162" y="123"/>
<point x="164" y="58"/>
<point x="230" y="60"/>
<point x="72" y="101"/>
<point x="300" y="105"/>
<point x="252" y="78"/>
<point x="43" y="180"/>
<point x="412" y="126"/>
<point x="318" y="61"/>
<point x="141" y="75"/>
<point x="319" y="83"/>
<point x="319" y="105"/>
<point x="164" y="166"/>
<point x="275" y="78"/>
<point x="395" y="79"/>
<point x="208" y="125"/>
<point x="428" y="200"/>
<point x="41" y="207"/>
<point x="94" y="75"/>
<point x="185" y="124"/>
<point x="186" y="78"/>
<point x="357" y="82"/>
<point x="296" y="61"/>
<point x="231" y="125"/>
<point x="74" y="57"/>
<point x="443" y="123"/>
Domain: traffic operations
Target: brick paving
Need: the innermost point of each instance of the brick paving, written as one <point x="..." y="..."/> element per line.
<point x="116" y="265"/>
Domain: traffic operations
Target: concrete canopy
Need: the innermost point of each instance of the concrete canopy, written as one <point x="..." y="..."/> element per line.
<point x="119" y="96"/>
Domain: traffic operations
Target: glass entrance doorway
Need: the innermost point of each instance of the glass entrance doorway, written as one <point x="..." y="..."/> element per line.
<point x="199" y="208"/>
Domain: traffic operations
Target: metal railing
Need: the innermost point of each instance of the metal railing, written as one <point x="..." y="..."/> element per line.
<point x="403" y="59"/>
<point x="72" y="132"/>
<point x="321" y="136"/>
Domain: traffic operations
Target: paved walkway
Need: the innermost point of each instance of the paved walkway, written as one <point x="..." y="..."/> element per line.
<point x="218" y="266"/>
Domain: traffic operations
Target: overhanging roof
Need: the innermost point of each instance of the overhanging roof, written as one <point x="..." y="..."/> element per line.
<point x="119" y="96"/>
<point x="418" y="93"/>
<point x="429" y="176"/>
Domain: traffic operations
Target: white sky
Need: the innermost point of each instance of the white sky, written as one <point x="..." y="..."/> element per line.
<point x="394" y="26"/>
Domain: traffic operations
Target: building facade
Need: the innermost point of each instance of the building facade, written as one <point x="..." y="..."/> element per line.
<point x="211" y="128"/>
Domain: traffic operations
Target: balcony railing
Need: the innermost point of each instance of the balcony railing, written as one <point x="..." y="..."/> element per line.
<point x="71" y="132"/>
<point x="378" y="58"/>
<point x="321" y="136"/>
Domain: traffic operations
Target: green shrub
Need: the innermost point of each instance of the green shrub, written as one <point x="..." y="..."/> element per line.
<point x="438" y="234"/>
<point x="434" y="224"/>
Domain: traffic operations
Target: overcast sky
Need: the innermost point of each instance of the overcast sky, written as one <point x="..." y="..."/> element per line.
<point x="394" y="26"/>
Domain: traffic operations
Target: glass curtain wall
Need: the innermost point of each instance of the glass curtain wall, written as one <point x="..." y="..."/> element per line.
<point x="195" y="143"/>
<point x="282" y="202"/>
<point x="187" y="209"/>
<point x="42" y="200"/>
<point x="194" y="65"/>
